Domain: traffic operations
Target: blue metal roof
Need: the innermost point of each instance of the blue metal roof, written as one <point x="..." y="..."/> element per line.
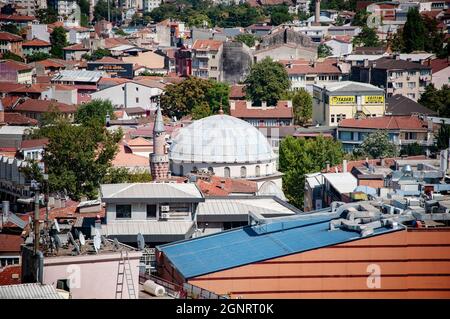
<point x="237" y="247"/>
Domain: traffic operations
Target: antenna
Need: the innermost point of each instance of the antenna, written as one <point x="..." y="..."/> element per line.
<point x="56" y="225"/>
<point x="140" y="241"/>
<point x="97" y="243"/>
<point x="81" y="238"/>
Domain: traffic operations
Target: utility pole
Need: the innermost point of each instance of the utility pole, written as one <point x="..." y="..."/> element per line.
<point x="36" y="217"/>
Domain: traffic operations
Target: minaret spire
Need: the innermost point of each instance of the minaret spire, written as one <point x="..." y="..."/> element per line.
<point x="159" y="160"/>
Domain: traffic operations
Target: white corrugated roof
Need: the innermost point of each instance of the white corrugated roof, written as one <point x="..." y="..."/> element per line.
<point x="237" y="206"/>
<point x="150" y="190"/>
<point x="342" y="182"/>
<point x="16" y="130"/>
<point x="146" y="227"/>
<point x="78" y="76"/>
<point x="349" y="86"/>
<point x="29" y="291"/>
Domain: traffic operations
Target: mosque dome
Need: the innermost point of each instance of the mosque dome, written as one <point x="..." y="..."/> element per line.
<point x="220" y="139"/>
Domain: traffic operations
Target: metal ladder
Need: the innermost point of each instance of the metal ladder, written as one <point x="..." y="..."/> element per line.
<point x="124" y="272"/>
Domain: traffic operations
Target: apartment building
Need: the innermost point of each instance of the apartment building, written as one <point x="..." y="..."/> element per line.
<point x="207" y="59"/>
<point x="396" y="76"/>
<point x="337" y="101"/>
<point x="10" y="43"/>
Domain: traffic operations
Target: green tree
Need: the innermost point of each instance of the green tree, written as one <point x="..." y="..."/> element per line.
<point x="11" y="28"/>
<point x="101" y="11"/>
<point x="47" y="16"/>
<point x="279" y="14"/>
<point x="412" y="149"/>
<point x="302" y="156"/>
<point x="414" y="31"/>
<point x="8" y="55"/>
<point x="97" y="54"/>
<point x="194" y="96"/>
<point x="120" y="32"/>
<point x="199" y="20"/>
<point x="302" y="104"/>
<point x="442" y="137"/>
<point x="324" y="51"/>
<point x="437" y="100"/>
<point x="96" y="111"/>
<point x="78" y="157"/>
<point x="246" y="38"/>
<point x="58" y="39"/>
<point x="377" y="145"/>
<point x="360" y="18"/>
<point x="367" y="38"/>
<point x="267" y="81"/>
<point x="123" y="175"/>
<point x="37" y="56"/>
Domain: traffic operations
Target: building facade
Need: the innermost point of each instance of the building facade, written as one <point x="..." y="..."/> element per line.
<point x="207" y="59"/>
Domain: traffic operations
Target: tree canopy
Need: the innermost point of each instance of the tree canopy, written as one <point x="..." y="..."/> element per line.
<point x="247" y="38"/>
<point x="195" y="96"/>
<point x="437" y="100"/>
<point x="37" y="56"/>
<point x="300" y="156"/>
<point x="414" y="31"/>
<point x="324" y="50"/>
<point x="267" y="81"/>
<point x="58" y="39"/>
<point x="94" y="111"/>
<point x="367" y="38"/>
<point x="302" y="104"/>
<point x="377" y="145"/>
<point x="78" y="157"/>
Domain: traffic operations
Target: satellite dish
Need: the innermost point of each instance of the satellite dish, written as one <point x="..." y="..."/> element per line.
<point x="57" y="226"/>
<point x="97" y="243"/>
<point x="140" y="241"/>
<point x="72" y="241"/>
<point x="81" y="238"/>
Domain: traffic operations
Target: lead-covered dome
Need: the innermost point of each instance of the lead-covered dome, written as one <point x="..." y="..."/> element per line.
<point x="220" y="139"/>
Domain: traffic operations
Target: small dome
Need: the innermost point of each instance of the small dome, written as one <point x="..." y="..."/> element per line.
<point x="220" y="139"/>
<point x="271" y="189"/>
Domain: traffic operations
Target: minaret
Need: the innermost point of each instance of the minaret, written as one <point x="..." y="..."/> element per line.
<point x="159" y="160"/>
<point x="317" y="14"/>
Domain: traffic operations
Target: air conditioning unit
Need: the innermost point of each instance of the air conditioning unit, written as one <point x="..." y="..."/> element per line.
<point x="165" y="215"/>
<point x="165" y="208"/>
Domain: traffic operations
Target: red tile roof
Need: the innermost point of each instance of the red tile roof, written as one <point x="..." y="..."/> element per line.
<point x="19" y="119"/>
<point x="41" y="106"/>
<point x="108" y="59"/>
<point x="51" y="63"/>
<point x="439" y="64"/>
<point x="6" y="36"/>
<point x="9" y="101"/>
<point x="76" y="47"/>
<point x="219" y="186"/>
<point x="16" y="18"/>
<point x="36" y="43"/>
<point x="386" y="123"/>
<point x="328" y="66"/>
<point x="237" y="92"/>
<point x="18" y="66"/>
<point x="282" y="110"/>
<point x="34" y="143"/>
<point x="10" y="243"/>
<point x="10" y="275"/>
<point x="204" y="44"/>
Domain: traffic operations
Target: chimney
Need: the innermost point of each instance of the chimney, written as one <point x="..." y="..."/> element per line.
<point x="263" y="104"/>
<point x="344" y="166"/>
<point x="2" y="114"/>
<point x="317" y="15"/>
<point x="382" y="162"/>
<point x="328" y="166"/>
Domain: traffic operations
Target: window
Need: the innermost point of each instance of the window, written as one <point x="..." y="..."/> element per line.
<point x="411" y="73"/>
<point x="332" y="118"/>
<point x="226" y="172"/>
<point x="398" y="85"/>
<point x="257" y="171"/>
<point x="211" y="170"/>
<point x="411" y="96"/>
<point x="267" y="169"/>
<point x="411" y="85"/>
<point x="137" y="100"/>
<point x="181" y="170"/>
<point x="137" y="89"/>
<point x="194" y="169"/>
<point x="243" y="171"/>
<point x="123" y="211"/>
<point x="322" y="77"/>
<point x="63" y="284"/>
<point x="151" y="211"/>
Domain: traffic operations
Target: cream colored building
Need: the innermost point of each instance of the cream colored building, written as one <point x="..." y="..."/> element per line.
<point x="336" y="101"/>
<point x="207" y="59"/>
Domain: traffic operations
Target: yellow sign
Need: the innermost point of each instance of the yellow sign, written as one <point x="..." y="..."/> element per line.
<point x="374" y="99"/>
<point x="342" y="100"/>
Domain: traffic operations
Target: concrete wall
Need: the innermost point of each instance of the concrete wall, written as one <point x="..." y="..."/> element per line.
<point x="139" y="212"/>
<point x="236" y="60"/>
<point x="442" y="77"/>
<point x="412" y="264"/>
<point x="94" y="276"/>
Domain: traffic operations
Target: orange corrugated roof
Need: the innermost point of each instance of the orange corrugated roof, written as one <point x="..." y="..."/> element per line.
<point x="204" y="44"/>
<point x="387" y="123"/>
